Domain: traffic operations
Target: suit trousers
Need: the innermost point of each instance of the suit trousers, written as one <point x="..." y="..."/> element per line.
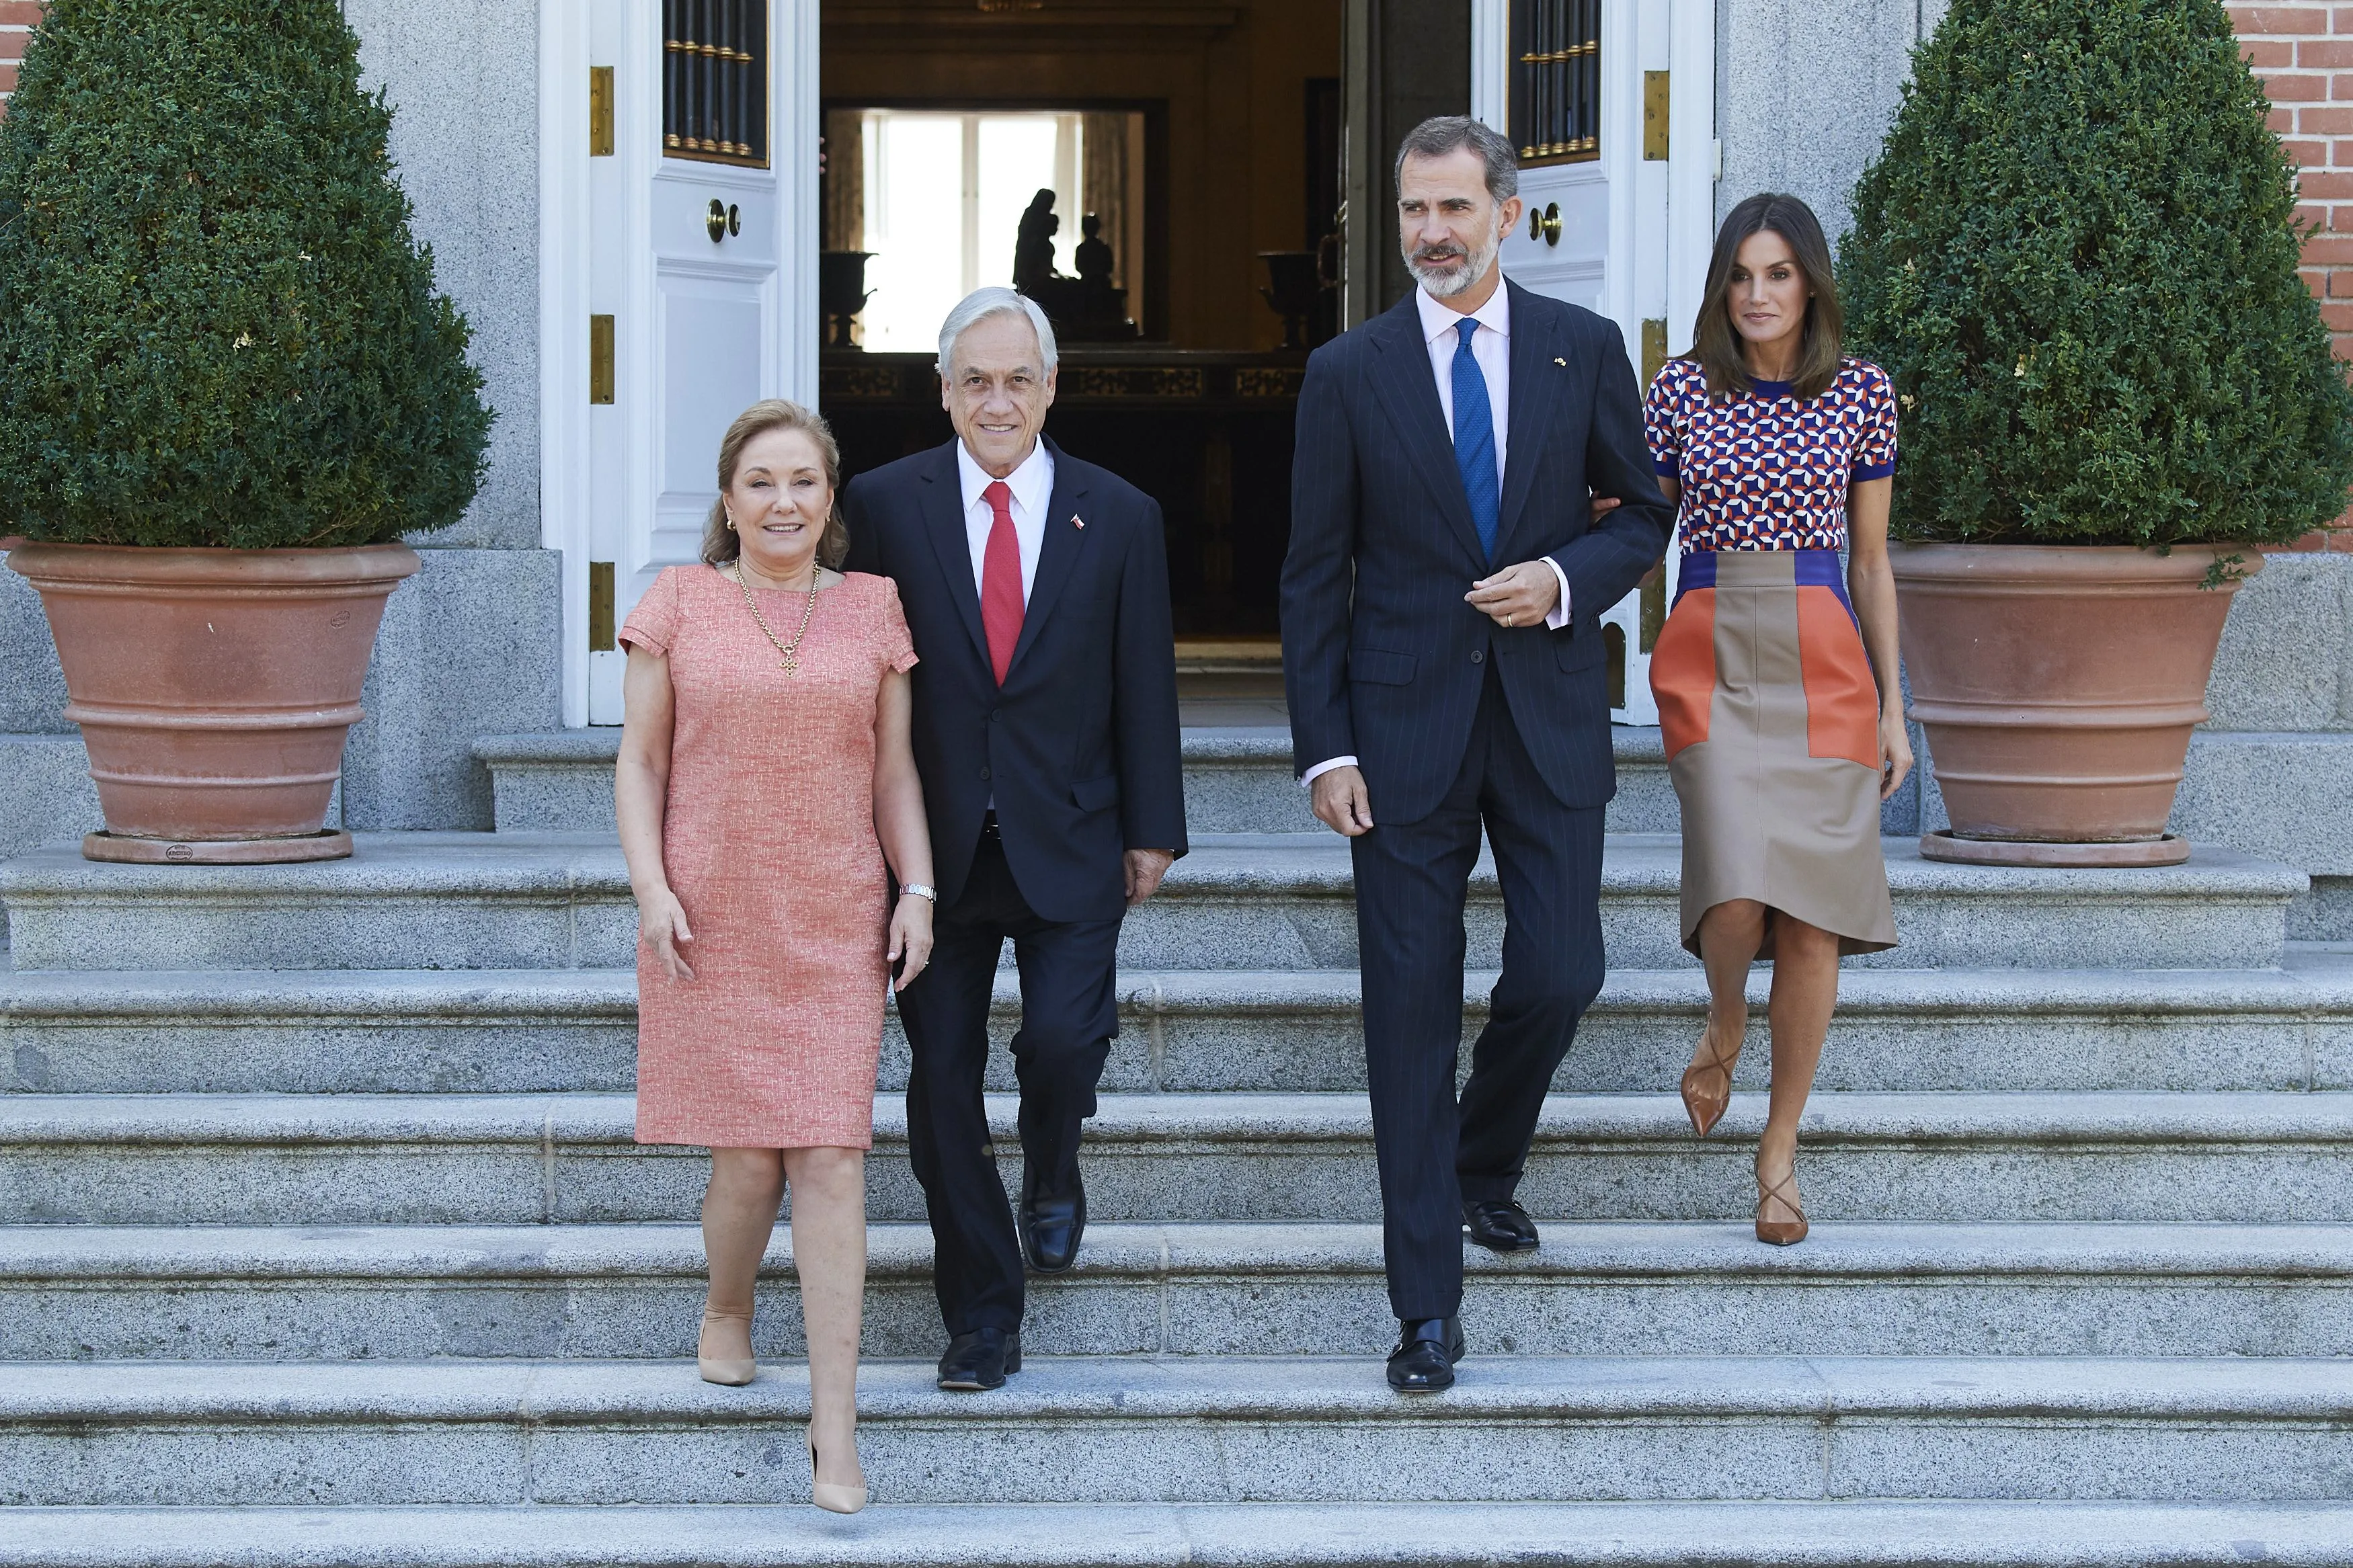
<point x="1069" y="1013"/>
<point x="1412" y="882"/>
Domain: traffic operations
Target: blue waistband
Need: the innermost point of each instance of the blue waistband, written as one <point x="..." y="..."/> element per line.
<point x="1813" y="568"/>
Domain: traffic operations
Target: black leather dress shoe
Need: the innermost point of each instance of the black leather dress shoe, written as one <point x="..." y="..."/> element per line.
<point x="980" y="1359"/>
<point x="1499" y="1226"/>
<point x="1050" y="1229"/>
<point x="1423" y="1362"/>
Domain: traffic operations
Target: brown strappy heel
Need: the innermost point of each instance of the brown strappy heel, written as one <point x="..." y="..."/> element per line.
<point x="1706" y="1106"/>
<point x="1780" y="1233"/>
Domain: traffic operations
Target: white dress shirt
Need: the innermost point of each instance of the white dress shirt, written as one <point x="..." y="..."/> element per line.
<point x="1491" y="347"/>
<point x="1033" y="485"/>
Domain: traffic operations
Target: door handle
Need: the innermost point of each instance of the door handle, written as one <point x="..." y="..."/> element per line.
<point x="721" y="219"/>
<point x="1545" y="225"/>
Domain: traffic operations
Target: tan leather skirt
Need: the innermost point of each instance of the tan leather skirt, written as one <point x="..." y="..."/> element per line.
<point x="1770" y="717"/>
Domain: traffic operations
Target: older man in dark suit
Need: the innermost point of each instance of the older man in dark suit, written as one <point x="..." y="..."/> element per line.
<point x="1045" y="730"/>
<point x="1443" y="656"/>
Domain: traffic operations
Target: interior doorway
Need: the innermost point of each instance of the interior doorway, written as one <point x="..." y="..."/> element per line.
<point x="780" y="198"/>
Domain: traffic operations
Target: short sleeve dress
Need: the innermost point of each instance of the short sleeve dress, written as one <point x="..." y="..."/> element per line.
<point x="768" y="839"/>
<point x="1767" y="705"/>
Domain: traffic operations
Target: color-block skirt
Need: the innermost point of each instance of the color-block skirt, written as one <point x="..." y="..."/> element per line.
<point x="1771" y="722"/>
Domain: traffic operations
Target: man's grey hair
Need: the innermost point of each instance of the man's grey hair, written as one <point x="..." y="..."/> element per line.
<point x="1443" y="133"/>
<point x="983" y="303"/>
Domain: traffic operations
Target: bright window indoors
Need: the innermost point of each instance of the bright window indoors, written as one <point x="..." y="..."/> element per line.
<point x="944" y="194"/>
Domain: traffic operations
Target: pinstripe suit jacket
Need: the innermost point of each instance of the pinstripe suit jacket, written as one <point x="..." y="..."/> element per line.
<point x="1382" y="659"/>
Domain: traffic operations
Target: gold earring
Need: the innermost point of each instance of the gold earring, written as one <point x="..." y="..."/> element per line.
<point x="731" y="523"/>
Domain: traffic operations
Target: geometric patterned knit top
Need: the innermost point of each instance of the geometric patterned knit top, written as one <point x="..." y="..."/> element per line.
<point x="1766" y="471"/>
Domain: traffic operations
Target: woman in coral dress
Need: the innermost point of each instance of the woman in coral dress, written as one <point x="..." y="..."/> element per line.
<point x="1776" y="673"/>
<point x="765" y="778"/>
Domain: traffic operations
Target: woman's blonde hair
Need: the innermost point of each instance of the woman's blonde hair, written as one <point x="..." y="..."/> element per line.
<point x="720" y="543"/>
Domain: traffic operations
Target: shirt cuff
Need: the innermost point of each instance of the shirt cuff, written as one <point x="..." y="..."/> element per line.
<point x="1319" y="769"/>
<point x="1559" y="616"/>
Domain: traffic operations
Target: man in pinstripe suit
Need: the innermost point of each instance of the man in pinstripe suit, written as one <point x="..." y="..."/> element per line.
<point x="1443" y="659"/>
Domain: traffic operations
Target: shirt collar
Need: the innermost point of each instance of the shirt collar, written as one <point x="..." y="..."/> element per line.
<point x="1439" y="320"/>
<point x="1029" y="483"/>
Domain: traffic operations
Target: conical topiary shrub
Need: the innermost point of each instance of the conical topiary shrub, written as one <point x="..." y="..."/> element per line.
<point x="216" y="327"/>
<point x="2076" y="256"/>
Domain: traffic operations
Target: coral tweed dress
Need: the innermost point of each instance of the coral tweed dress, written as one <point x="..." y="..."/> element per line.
<point x="768" y="839"/>
<point x="1767" y="701"/>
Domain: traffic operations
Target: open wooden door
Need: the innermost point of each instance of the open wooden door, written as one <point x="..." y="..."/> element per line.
<point x="1612" y="104"/>
<point x="678" y="281"/>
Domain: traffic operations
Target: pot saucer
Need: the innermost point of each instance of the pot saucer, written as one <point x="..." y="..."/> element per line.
<point x="332" y="844"/>
<point x="2170" y="850"/>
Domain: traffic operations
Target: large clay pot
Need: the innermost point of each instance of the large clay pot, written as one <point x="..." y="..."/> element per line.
<point x="214" y="689"/>
<point x="2058" y="685"/>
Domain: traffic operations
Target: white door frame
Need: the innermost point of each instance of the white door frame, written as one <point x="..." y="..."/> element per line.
<point x="1661" y="222"/>
<point x="565" y="238"/>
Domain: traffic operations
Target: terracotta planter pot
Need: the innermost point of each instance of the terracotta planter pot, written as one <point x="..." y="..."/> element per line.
<point x="214" y="689"/>
<point x="2058" y="685"/>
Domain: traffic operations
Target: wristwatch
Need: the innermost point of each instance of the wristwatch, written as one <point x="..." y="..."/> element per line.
<point x="930" y="895"/>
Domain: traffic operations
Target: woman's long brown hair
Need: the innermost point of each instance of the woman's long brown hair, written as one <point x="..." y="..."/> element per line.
<point x="1717" y="342"/>
<point x="720" y="543"/>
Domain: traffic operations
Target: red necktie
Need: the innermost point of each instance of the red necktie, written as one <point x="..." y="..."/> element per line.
<point x="1000" y="581"/>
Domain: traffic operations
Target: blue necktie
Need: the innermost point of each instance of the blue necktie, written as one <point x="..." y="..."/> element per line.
<point x="1474" y="440"/>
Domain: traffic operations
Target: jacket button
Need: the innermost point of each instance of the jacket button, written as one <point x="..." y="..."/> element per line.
<point x="1478" y="656"/>
<point x="992" y="715"/>
<point x="983" y="775"/>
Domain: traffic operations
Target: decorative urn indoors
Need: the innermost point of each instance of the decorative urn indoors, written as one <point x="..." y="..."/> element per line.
<point x="227" y="390"/>
<point x="2076" y="256"/>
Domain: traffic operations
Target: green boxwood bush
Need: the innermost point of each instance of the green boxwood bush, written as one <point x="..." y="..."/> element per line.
<point x="2076" y="256"/>
<point x="216" y="327"/>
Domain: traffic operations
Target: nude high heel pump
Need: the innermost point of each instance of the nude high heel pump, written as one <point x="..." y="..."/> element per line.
<point x="1780" y="1232"/>
<point x="1707" y="1086"/>
<point x="729" y="1370"/>
<point x="828" y="1496"/>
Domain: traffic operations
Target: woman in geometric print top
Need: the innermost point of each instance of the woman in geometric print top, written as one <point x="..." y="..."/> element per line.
<point x="1776" y="674"/>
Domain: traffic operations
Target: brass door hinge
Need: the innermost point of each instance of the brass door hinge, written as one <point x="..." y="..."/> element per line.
<point x="600" y="112"/>
<point x="600" y="607"/>
<point x="1655" y="115"/>
<point x="600" y="359"/>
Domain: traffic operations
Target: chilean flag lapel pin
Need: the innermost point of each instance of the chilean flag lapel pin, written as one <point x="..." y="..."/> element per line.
<point x="1077" y="522"/>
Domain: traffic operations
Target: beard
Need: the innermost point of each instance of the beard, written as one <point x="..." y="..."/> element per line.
<point x="1446" y="270"/>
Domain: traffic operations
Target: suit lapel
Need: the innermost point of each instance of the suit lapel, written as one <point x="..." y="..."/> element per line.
<point x="942" y="506"/>
<point x="1058" y="553"/>
<point x="1402" y="381"/>
<point x="1537" y="388"/>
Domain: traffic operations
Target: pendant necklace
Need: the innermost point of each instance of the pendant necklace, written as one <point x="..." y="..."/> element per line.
<point x="788" y="653"/>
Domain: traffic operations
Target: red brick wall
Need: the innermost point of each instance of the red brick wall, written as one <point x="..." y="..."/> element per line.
<point x="2304" y="53"/>
<point x="17" y="20"/>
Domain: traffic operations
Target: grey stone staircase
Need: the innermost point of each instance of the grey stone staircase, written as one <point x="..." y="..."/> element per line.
<point x="323" y="1239"/>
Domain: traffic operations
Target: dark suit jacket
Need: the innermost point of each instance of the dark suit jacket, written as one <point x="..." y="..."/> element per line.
<point x="1382" y="659"/>
<point x="1079" y="747"/>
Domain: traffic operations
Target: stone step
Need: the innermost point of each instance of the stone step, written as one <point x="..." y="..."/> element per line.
<point x="454" y="901"/>
<point x="1830" y="1534"/>
<point x="1199" y="1430"/>
<point x="1172" y="1158"/>
<point x="406" y="1293"/>
<point x="540" y="1031"/>
<point x="1237" y="780"/>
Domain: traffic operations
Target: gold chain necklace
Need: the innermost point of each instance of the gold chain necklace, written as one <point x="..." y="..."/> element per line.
<point x="790" y="655"/>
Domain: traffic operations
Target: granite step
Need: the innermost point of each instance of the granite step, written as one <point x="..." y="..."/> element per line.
<point x="147" y="1159"/>
<point x="549" y="1031"/>
<point x="1237" y="780"/>
<point x="1141" y="1431"/>
<point x="1282" y="901"/>
<point x="1835" y="1534"/>
<point x="566" y="1291"/>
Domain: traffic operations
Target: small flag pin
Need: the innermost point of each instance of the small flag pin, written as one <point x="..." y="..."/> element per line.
<point x="1077" y="522"/>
